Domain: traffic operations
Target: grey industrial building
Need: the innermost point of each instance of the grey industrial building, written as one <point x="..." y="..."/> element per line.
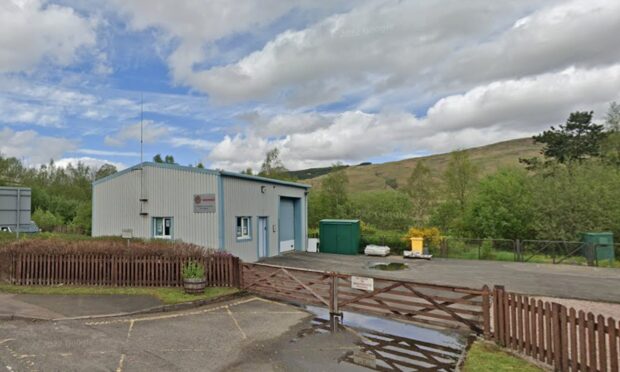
<point x="248" y="216"/>
<point x="15" y="205"/>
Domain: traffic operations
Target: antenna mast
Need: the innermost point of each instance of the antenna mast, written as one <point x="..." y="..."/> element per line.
<point x="141" y="128"/>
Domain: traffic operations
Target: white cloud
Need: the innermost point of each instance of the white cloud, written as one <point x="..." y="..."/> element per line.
<point x="151" y="132"/>
<point x="194" y="26"/>
<point x="31" y="31"/>
<point x="23" y="101"/>
<point x="92" y="163"/>
<point x="195" y="143"/>
<point x="107" y="153"/>
<point x="421" y="47"/>
<point x="32" y="147"/>
<point x="488" y="113"/>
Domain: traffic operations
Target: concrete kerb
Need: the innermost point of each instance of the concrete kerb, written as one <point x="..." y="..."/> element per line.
<point x="150" y="310"/>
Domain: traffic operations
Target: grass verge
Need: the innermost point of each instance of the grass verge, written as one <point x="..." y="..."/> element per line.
<point x="166" y="294"/>
<point x="484" y="356"/>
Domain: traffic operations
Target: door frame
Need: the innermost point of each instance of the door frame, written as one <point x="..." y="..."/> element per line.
<point x="258" y="236"/>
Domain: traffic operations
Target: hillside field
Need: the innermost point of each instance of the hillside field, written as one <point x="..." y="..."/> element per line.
<point x="488" y="159"/>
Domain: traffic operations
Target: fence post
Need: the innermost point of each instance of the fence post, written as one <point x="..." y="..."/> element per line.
<point x="517" y="247"/>
<point x="18" y="269"/>
<point x="498" y="314"/>
<point x="557" y="336"/>
<point x="486" y="314"/>
<point x="334" y="295"/>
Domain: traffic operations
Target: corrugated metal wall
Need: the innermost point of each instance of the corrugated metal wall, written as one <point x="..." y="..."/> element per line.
<point x="244" y="198"/>
<point x="116" y="206"/>
<point x="170" y="193"/>
<point x="8" y="207"/>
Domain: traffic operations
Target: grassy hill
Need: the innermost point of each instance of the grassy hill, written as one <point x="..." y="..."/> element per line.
<point x="487" y="158"/>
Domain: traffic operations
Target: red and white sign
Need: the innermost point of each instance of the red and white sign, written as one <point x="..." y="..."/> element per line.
<point x="204" y="203"/>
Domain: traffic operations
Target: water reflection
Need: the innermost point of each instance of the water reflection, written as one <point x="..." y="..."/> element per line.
<point x="386" y="345"/>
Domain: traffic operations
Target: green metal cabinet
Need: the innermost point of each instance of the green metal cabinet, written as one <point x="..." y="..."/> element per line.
<point x="602" y="243"/>
<point x="339" y="236"/>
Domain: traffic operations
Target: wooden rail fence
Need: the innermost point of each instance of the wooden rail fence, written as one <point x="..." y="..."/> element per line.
<point x="119" y="271"/>
<point x="437" y="305"/>
<point x="566" y="339"/>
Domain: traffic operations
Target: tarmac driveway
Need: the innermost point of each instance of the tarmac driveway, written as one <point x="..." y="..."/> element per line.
<point x="246" y="334"/>
<point x="211" y="338"/>
<point x="563" y="281"/>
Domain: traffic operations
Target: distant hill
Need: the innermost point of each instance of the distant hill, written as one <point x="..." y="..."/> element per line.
<point x="387" y="175"/>
<point x="309" y="173"/>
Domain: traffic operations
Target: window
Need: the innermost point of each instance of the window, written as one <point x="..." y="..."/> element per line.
<point x="162" y="227"/>
<point x="243" y="228"/>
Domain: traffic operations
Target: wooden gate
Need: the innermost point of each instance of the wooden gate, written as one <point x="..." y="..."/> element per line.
<point x="437" y="305"/>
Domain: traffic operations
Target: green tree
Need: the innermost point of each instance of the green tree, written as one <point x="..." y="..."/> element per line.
<point x="104" y="171"/>
<point x="334" y="199"/>
<point x="460" y="178"/>
<point x="611" y="144"/>
<point x="273" y="167"/>
<point x="83" y="217"/>
<point x="46" y="220"/>
<point x="569" y="202"/>
<point x="169" y="159"/>
<point x="576" y="140"/>
<point x="501" y="206"/>
<point x="421" y="188"/>
<point x="200" y="165"/>
<point x="247" y="171"/>
<point x="158" y="159"/>
<point x="385" y="209"/>
<point x="612" y="118"/>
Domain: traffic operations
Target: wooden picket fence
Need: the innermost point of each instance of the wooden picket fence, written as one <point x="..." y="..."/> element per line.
<point x="566" y="339"/>
<point x="119" y="271"/>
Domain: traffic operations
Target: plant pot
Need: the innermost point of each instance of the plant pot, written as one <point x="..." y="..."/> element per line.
<point x="194" y="285"/>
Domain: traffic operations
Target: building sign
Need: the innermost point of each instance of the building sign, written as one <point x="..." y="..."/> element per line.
<point x="365" y="284"/>
<point x="204" y="203"/>
<point x="127" y="233"/>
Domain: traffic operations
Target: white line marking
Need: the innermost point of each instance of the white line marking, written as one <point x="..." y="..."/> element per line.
<point x="169" y="316"/>
<point x="130" y="329"/>
<point x="120" y="363"/>
<point x="123" y="355"/>
<point x="243" y="335"/>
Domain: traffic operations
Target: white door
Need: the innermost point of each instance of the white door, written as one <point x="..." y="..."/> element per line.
<point x="263" y="248"/>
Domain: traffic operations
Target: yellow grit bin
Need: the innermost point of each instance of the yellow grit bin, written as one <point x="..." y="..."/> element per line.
<point x="417" y="245"/>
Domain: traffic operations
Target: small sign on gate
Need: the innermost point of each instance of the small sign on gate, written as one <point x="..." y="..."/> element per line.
<point x="360" y="282"/>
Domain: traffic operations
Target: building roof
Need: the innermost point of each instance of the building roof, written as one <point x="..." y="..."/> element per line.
<point x="339" y="221"/>
<point x="202" y="170"/>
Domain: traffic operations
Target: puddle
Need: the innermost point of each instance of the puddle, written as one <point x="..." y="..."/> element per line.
<point x="392" y="266"/>
<point x="387" y="345"/>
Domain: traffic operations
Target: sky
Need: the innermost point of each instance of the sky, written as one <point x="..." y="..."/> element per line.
<point x="223" y="82"/>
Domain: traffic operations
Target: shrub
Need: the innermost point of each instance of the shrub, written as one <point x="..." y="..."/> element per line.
<point x="114" y="246"/>
<point x="486" y="250"/>
<point x="392" y="239"/>
<point x="193" y="270"/>
<point x="431" y="235"/>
